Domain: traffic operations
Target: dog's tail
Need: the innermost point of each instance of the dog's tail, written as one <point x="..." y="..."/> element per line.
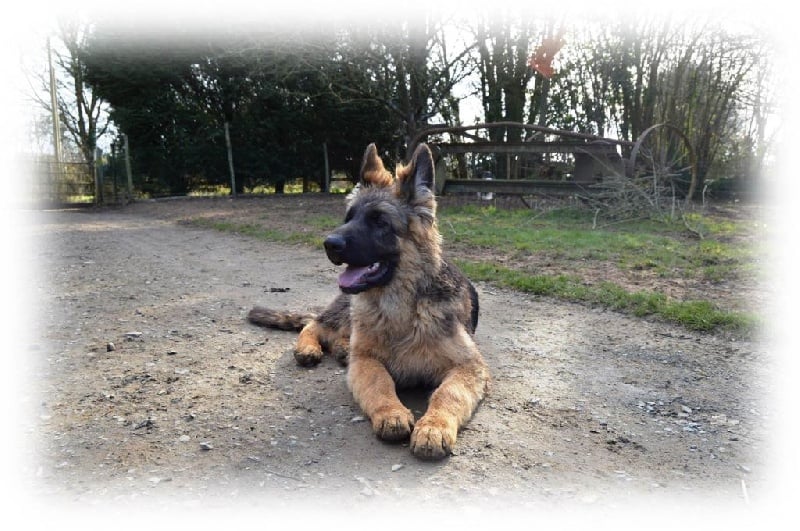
<point x="278" y="319"/>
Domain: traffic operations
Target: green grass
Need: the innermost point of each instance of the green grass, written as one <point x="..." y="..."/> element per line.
<point x="259" y="232"/>
<point x="568" y="235"/>
<point x="694" y="315"/>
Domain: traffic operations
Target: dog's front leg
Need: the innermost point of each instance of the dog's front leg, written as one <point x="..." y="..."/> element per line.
<point x="374" y="390"/>
<point x="450" y="407"/>
<point x="308" y="350"/>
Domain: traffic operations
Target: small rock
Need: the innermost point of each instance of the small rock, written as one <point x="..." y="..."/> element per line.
<point x="110" y="347"/>
<point x="368" y="489"/>
<point x="147" y="423"/>
<point x="205" y="445"/>
<point x="357" y="418"/>
<point x="133" y="335"/>
<point x="184" y="438"/>
<point x="397" y="467"/>
<point x="532" y="402"/>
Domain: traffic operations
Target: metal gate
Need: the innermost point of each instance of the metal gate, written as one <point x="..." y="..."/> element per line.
<point x="60" y="183"/>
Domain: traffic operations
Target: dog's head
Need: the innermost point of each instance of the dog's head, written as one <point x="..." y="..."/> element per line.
<point x="382" y="213"/>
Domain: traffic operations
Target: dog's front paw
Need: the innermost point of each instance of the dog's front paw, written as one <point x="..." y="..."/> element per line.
<point x="308" y="355"/>
<point x="433" y="439"/>
<point x="341" y="353"/>
<point x="393" y="423"/>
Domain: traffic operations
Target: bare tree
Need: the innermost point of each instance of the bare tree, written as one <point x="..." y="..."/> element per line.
<point x="82" y="115"/>
<point x="505" y="42"/>
<point x="405" y="66"/>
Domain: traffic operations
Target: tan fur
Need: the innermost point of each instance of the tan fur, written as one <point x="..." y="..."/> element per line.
<point x="280" y="320"/>
<point x="411" y="331"/>
<point x="317" y="334"/>
<point x="396" y="339"/>
<point x="389" y="344"/>
<point x="372" y="170"/>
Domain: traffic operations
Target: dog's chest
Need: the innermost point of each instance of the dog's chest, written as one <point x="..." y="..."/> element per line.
<point x="402" y="322"/>
<point x="418" y="342"/>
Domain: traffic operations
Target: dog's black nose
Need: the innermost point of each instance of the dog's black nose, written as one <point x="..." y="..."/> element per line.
<point x="334" y="247"/>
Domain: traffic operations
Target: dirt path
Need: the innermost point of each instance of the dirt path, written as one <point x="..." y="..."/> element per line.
<point x="193" y="405"/>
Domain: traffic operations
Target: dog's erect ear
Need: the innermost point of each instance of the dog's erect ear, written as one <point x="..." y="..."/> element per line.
<point x="372" y="171"/>
<point x="419" y="173"/>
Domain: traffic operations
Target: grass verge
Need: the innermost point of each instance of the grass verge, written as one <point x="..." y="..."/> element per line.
<point x="694" y="315"/>
<point x="259" y="232"/>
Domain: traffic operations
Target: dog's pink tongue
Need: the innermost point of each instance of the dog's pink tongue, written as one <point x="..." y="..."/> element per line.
<point x="351" y="276"/>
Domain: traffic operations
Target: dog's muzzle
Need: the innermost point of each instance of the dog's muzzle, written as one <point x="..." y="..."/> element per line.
<point x="335" y="245"/>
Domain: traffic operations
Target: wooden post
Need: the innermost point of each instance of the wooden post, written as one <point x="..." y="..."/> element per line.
<point x="57" y="177"/>
<point x="54" y="111"/>
<point x="114" y="162"/>
<point x="440" y="175"/>
<point x="129" y="192"/>
<point x="230" y="158"/>
<point x="98" y="177"/>
<point x="327" y="180"/>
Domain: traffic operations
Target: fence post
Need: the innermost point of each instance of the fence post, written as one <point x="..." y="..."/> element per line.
<point x="129" y="197"/>
<point x="327" y="181"/>
<point x="54" y="109"/>
<point x="114" y="163"/>
<point x="98" y="177"/>
<point x="230" y="158"/>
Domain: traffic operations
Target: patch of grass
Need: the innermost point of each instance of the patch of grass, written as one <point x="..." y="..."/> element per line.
<point x="324" y="222"/>
<point x="259" y="232"/>
<point x="567" y="234"/>
<point x="695" y="315"/>
<point x="560" y="234"/>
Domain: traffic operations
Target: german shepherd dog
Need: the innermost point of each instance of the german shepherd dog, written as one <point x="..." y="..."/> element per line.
<point x="404" y="317"/>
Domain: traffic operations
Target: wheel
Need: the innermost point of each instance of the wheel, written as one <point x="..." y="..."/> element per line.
<point x="662" y="163"/>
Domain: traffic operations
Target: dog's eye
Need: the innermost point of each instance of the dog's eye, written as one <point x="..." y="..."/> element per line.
<point x="378" y="219"/>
